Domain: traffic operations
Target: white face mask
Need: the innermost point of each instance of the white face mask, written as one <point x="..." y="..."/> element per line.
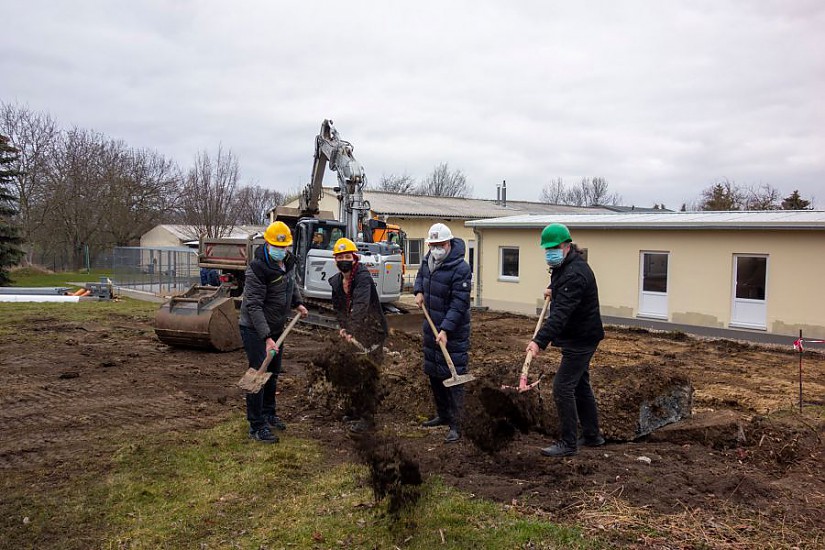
<point x="438" y="252"/>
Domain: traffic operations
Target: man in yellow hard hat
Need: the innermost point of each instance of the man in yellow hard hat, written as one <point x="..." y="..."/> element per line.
<point x="270" y="291"/>
<point x="360" y="315"/>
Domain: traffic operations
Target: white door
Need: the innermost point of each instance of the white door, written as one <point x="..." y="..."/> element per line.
<point x="750" y="277"/>
<point x="653" y="272"/>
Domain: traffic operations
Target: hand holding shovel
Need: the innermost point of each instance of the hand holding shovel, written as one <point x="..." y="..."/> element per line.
<point x="253" y="380"/>
<point x="523" y="386"/>
<point x="456" y="378"/>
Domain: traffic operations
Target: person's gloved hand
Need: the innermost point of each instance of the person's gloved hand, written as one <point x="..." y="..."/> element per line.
<point x="419" y="299"/>
<point x="533" y="348"/>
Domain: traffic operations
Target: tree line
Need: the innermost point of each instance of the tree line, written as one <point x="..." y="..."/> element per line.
<point x="74" y="191"/>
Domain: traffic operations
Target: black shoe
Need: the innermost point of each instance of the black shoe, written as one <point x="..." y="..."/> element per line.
<point x="275" y="423"/>
<point x="558" y="449"/>
<point x="264" y="436"/>
<point x="434" y="421"/>
<point x="452" y="436"/>
<point x="597" y="441"/>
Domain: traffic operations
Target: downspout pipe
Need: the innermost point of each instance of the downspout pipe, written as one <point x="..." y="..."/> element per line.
<point x="477" y="274"/>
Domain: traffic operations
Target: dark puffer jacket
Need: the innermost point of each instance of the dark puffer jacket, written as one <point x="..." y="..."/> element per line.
<point x="447" y="297"/>
<point x="269" y="294"/>
<point x="360" y="313"/>
<point x="573" y="319"/>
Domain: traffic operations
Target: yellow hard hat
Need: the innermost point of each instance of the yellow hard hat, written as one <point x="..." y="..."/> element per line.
<point x="343" y="245"/>
<point x="278" y="234"/>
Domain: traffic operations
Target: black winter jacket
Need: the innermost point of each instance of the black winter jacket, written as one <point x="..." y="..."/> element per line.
<point x="360" y="313"/>
<point x="447" y="299"/>
<point x="573" y="319"/>
<point x="269" y="294"/>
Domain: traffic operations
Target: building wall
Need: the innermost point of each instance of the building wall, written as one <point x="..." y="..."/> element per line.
<point x="159" y="236"/>
<point x="700" y="274"/>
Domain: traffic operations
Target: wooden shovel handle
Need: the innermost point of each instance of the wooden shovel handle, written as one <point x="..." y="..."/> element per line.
<point x="278" y="342"/>
<point x="541" y="316"/>
<point x="449" y="359"/>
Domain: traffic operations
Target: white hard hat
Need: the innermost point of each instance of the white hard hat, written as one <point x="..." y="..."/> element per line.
<point x="438" y="233"/>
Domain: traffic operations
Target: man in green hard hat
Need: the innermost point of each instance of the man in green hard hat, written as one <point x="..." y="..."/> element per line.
<point x="574" y="324"/>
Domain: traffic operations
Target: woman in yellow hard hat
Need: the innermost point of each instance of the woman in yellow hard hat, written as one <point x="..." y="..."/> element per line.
<point x="270" y="291"/>
<point x="360" y="315"/>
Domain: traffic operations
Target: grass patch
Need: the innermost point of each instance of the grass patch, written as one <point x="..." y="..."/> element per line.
<point x="14" y="313"/>
<point x="216" y="489"/>
<point x="35" y="277"/>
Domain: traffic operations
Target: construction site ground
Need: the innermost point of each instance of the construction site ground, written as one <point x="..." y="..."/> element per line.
<point x="745" y="471"/>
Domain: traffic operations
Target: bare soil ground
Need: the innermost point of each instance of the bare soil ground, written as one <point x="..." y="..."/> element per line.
<point x="745" y="471"/>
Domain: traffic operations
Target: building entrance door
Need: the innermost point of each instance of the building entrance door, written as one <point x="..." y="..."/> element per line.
<point x="653" y="285"/>
<point x="750" y="277"/>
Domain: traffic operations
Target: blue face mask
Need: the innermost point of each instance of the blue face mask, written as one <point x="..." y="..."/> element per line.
<point x="554" y="256"/>
<point x="277" y="253"/>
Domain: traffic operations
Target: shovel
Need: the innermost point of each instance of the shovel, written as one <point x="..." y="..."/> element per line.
<point x="456" y="378"/>
<point x="362" y="350"/>
<point x="253" y="380"/>
<point x="523" y="386"/>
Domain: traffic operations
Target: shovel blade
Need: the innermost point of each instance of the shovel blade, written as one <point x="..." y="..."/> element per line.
<point x="253" y="380"/>
<point x="458" y="379"/>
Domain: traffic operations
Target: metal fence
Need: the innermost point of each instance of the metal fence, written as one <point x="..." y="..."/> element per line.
<point x="157" y="270"/>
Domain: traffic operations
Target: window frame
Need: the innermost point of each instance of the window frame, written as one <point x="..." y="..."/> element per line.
<point x="508" y="278"/>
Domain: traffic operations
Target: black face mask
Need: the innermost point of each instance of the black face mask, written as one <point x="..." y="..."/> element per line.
<point x="344" y="266"/>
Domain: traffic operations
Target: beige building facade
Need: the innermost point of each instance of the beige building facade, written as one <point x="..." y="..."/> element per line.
<point x="753" y="271"/>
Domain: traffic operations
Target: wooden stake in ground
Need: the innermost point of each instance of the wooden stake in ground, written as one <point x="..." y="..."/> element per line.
<point x="254" y="379"/>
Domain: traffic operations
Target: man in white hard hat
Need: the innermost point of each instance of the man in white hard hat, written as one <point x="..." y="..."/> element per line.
<point x="443" y="285"/>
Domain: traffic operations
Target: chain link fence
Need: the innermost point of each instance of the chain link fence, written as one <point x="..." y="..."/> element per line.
<point x="157" y="270"/>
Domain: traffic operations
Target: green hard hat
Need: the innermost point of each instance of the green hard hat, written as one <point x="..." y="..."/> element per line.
<point x="555" y="234"/>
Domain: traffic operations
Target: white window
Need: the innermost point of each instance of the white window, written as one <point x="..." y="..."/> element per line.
<point x="414" y="247"/>
<point x="508" y="263"/>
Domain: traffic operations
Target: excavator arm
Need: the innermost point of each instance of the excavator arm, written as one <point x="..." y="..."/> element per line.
<point x="332" y="151"/>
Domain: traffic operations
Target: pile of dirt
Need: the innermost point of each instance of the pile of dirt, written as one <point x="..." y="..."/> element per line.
<point x="393" y="474"/>
<point x="345" y="381"/>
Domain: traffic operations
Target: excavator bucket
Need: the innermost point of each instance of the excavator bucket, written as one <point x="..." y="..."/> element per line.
<point x="202" y="317"/>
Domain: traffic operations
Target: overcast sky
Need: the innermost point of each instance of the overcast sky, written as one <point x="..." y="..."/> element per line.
<point x="661" y="98"/>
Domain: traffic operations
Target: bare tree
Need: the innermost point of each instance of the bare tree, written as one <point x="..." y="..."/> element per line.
<point x="763" y="197"/>
<point x="396" y="184"/>
<point x="141" y="192"/>
<point x="723" y="195"/>
<point x="590" y="192"/>
<point x="253" y="203"/>
<point x="443" y="182"/>
<point x="34" y="135"/>
<point x="207" y="199"/>
<point x="554" y="192"/>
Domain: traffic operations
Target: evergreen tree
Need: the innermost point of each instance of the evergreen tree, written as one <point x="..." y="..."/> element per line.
<point x="724" y="195"/>
<point x="795" y="202"/>
<point x="10" y="241"/>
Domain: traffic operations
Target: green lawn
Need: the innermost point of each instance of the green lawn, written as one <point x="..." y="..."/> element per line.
<point x="27" y="277"/>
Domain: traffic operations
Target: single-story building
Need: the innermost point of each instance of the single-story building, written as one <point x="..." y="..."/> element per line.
<point x="165" y="235"/>
<point x="753" y="271"/>
<point x="415" y="214"/>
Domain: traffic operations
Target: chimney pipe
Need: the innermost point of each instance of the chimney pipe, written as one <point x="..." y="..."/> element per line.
<point x="503" y="192"/>
<point x="498" y="194"/>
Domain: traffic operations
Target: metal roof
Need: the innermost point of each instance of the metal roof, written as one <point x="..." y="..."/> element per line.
<point x="409" y="205"/>
<point x="187" y="232"/>
<point x="781" y="219"/>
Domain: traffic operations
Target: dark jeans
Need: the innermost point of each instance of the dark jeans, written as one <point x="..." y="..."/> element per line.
<point x="574" y="396"/>
<point x="449" y="402"/>
<point x="260" y="405"/>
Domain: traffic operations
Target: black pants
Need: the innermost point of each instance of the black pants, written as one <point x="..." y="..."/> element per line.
<point x="574" y="396"/>
<point x="260" y="405"/>
<point x="449" y="402"/>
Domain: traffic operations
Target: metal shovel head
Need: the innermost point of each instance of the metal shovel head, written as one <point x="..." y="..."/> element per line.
<point x="459" y="379"/>
<point x="253" y="380"/>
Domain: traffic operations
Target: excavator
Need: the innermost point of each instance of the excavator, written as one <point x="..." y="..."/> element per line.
<point x="206" y="317"/>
